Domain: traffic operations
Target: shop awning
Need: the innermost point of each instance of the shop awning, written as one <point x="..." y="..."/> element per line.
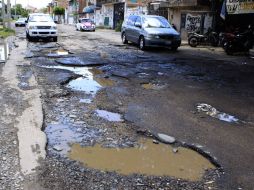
<point x="90" y="9"/>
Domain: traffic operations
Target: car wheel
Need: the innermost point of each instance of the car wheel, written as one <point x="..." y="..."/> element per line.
<point x="124" y="40"/>
<point x="142" y="45"/>
<point x="16" y="25"/>
<point x="28" y="37"/>
<point x="193" y="41"/>
<point x="174" y="48"/>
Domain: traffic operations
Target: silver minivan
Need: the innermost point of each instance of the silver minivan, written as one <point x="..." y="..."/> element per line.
<point x="150" y="31"/>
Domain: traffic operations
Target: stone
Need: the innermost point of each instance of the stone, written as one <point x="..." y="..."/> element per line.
<point x="57" y="148"/>
<point x="175" y="150"/>
<point x="166" y="138"/>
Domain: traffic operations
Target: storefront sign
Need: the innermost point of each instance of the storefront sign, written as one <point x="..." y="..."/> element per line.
<point x="192" y="23"/>
<point x="240" y="6"/>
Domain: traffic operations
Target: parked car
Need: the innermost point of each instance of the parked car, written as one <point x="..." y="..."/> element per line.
<point x="41" y="26"/>
<point x="85" y="24"/>
<point x="150" y="31"/>
<point x="20" y="22"/>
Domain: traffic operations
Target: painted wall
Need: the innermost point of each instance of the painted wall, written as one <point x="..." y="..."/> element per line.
<point x="190" y="21"/>
<point x="105" y="16"/>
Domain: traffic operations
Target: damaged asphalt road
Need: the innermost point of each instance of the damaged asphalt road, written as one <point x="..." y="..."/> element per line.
<point x="119" y="118"/>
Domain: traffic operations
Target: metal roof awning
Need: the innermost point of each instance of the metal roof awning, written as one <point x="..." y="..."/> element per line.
<point x="90" y="9"/>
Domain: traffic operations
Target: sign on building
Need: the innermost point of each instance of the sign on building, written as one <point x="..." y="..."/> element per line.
<point x="240" y="6"/>
<point x="192" y="23"/>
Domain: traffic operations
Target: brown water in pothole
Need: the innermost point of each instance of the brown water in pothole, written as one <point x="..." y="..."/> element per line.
<point x="150" y="86"/>
<point x="147" y="159"/>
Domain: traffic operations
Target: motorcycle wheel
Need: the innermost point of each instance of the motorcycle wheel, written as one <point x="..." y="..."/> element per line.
<point x="214" y="41"/>
<point x="193" y="41"/>
<point x="228" y="50"/>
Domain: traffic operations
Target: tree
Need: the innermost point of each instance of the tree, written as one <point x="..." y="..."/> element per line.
<point x="19" y="11"/>
<point x="59" y="11"/>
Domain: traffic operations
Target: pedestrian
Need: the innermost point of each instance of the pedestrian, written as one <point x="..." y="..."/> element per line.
<point x="174" y="26"/>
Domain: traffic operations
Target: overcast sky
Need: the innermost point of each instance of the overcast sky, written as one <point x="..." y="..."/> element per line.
<point x="34" y="3"/>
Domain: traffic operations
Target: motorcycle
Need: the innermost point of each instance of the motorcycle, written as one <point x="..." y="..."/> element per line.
<point x="237" y="42"/>
<point x="210" y="38"/>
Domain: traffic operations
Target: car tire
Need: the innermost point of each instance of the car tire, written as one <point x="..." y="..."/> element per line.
<point x="141" y="43"/>
<point x="54" y="39"/>
<point x="193" y="41"/>
<point x="174" y="48"/>
<point x="124" y="40"/>
<point x="28" y="37"/>
<point x="16" y="25"/>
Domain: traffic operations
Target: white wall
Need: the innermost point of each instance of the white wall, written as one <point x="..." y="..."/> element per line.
<point x="105" y="11"/>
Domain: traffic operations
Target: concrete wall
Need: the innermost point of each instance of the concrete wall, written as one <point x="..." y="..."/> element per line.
<point x="190" y="20"/>
<point x="106" y="11"/>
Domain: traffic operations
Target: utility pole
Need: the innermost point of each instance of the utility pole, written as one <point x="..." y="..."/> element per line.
<point x="15" y="9"/>
<point x="3" y="13"/>
<point x="9" y="13"/>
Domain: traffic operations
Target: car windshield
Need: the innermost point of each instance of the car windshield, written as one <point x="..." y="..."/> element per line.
<point x="21" y="19"/>
<point x="41" y="18"/>
<point x="156" y="22"/>
<point x="86" y="20"/>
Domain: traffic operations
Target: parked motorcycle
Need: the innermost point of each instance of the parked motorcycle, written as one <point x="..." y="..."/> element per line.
<point x="237" y="42"/>
<point x="210" y="38"/>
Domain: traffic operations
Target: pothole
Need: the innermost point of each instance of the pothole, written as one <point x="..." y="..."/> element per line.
<point x="110" y="116"/>
<point x="151" y="86"/>
<point x="213" y="112"/>
<point x="58" y="53"/>
<point x="147" y="158"/>
<point x="85" y="84"/>
<point x="60" y="137"/>
<point x="90" y="83"/>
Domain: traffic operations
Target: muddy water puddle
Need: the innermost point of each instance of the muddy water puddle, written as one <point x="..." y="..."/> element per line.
<point x="89" y="83"/>
<point x="148" y="159"/>
<point x="60" y="52"/>
<point x="60" y="136"/>
<point x="213" y="112"/>
<point x="4" y="51"/>
<point x="151" y="86"/>
<point x="110" y="116"/>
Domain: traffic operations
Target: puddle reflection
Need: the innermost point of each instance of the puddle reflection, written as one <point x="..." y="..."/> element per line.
<point x="148" y="159"/>
<point x="110" y="116"/>
<point x="4" y="51"/>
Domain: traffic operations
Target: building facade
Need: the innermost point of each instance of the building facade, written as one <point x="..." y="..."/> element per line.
<point x="191" y="16"/>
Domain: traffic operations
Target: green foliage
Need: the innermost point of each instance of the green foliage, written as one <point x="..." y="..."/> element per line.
<point x="59" y="11"/>
<point x="19" y="11"/>
<point x="5" y="32"/>
<point x="119" y="26"/>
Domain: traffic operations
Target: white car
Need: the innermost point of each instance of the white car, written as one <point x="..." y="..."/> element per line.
<point x="41" y="26"/>
<point x="85" y="24"/>
<point x="20" y="22"/>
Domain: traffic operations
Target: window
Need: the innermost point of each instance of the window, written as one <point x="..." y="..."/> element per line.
<point x="138" y="20"/>
<point x="131" y="20"/>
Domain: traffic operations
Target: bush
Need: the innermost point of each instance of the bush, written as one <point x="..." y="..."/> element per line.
<point x="5" y="32"/>
<point x="119" y="26"/>
<point x="59" y="11"/>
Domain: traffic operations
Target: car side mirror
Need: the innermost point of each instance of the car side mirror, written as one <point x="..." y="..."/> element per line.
<point x="138" y="24"/>
<point x="26" y="21"/>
